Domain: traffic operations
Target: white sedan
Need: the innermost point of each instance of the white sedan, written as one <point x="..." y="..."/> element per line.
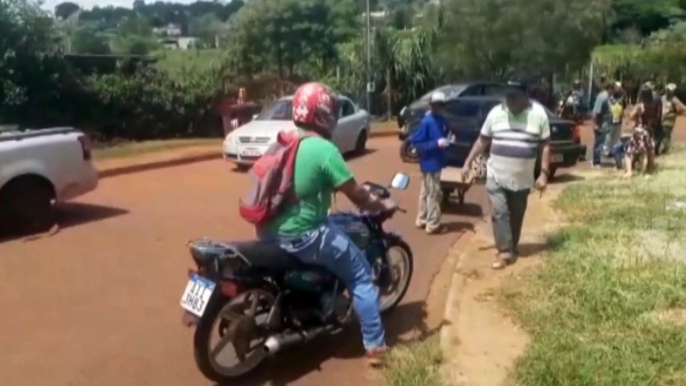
<point x="244" y="145"/>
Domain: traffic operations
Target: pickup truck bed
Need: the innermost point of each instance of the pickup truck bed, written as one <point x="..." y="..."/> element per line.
<point x="39" y="168"/>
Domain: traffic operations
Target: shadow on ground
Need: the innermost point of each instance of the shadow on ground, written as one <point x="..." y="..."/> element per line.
<point x="466" y="209"/>
<point x="403" y="325"/>
<point x="69" y="215"/>
<point x="525" y="249"/>
<point x="567" y="177"/>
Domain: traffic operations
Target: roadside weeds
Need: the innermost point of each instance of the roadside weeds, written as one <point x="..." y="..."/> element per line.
<point x="609" y="305"/>
<point x="415" y="364"/>
<point x="130" y="149"/>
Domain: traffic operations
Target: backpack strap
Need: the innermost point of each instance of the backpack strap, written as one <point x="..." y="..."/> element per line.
<point x="292" y="156"/>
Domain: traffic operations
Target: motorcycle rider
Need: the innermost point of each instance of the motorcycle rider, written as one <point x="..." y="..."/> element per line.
<point x="303" y="228"/>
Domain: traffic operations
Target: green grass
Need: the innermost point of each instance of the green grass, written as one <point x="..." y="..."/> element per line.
<point x="415" y="364"/>
<point x="147" y="147"/>
<point x="608" y="306"/>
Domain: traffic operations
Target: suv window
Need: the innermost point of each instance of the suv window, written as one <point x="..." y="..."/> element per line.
<point x="347" y="108"/>
<point x="465" y="109"/>
<point x="498" y="90"/>
<point x="474" y="90"/>
<point x="450" y="91"/>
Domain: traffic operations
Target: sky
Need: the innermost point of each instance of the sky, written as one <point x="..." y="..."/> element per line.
<point x="88" y="4"/>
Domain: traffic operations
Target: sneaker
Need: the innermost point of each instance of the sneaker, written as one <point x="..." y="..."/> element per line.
<point x="376" y="357"/>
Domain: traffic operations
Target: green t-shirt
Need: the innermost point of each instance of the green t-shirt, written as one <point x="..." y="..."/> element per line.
<point x="319" y="169"/>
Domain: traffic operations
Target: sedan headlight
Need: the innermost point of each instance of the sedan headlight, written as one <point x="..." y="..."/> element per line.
<point x="402" y="112"/>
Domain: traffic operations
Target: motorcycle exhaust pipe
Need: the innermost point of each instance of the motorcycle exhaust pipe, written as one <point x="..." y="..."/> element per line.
<point x="276" y="343"/>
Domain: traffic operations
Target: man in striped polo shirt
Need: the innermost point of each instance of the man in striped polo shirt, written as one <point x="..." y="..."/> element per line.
<point x="515" y="130"/>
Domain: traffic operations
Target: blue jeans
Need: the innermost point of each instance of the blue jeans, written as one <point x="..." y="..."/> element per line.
<point x="599" y="143"/>
<point x="330" y="247"/>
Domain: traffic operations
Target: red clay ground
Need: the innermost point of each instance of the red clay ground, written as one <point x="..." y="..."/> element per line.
<point x="98" y="303"/>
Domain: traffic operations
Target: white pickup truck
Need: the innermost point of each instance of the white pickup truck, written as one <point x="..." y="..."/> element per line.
<point x="39" y="168"/>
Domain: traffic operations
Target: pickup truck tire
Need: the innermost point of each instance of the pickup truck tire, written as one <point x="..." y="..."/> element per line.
<point x="26" y="205"/>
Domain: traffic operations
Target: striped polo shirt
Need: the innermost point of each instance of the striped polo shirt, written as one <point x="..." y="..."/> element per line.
<point x="515" y="140"/>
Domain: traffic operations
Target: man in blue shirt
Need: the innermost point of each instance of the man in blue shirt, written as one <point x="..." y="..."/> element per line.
<point x="430" y="141"/>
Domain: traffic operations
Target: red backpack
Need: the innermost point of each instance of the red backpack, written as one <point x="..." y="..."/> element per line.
<point x="272" y="180"/>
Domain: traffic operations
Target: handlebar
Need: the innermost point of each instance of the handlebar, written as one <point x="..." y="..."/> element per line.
<point x="382" y="193"/>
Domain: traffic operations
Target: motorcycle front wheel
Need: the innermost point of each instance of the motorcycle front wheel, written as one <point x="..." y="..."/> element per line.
<point x="396" y="276"/>
<point x="241" y="327"/>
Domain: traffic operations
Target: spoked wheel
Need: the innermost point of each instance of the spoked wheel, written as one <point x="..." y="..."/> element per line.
<point x="229" y="339"/>
<point x="394" y="280"/>
<point x="478" y="167"/>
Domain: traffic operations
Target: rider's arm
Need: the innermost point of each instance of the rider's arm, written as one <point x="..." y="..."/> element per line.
<point x="341" y="178"/>
<point x="361" y="197"/>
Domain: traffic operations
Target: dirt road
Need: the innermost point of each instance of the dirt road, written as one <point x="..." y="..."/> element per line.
<point x="98" y="303"/>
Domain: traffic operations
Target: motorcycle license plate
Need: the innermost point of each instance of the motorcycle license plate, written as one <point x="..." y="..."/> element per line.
<point x="197" y="295"/>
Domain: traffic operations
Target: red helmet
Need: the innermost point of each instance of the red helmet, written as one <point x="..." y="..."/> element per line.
<point x="315" y="107"/>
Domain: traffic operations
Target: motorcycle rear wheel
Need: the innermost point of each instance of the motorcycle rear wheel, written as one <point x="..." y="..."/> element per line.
<point x="234" y="320"/>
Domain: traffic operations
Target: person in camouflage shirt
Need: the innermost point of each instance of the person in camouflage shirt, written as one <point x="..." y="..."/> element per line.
<point x="671" y="107"/>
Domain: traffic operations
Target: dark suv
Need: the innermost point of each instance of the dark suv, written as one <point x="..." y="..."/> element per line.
<point x="451" y="91"/>
<point x="466" y="115"/>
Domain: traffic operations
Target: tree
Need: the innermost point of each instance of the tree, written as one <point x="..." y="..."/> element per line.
<point x="136" y="25"/>
<point x="30" y="64"/>
<point x="87" y="40"/>
<point x="138" y="5"/>
<point x="283" y="34"/>
<point x="66" y="9"/>
<point x="207" y="28"/>
<point x="496" y="39"/>
<point x="644" y="16"/>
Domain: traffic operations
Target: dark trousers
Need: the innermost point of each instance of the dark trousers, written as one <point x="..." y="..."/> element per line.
<point x="508" y="208"/>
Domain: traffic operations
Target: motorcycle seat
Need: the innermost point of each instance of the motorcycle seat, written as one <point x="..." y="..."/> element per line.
<point x="266" y="256"/>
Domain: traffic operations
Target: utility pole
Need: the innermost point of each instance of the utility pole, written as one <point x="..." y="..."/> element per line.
<point x="369" y="58"/>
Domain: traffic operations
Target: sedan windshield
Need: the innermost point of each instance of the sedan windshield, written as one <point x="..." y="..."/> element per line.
<point x="449" y="91"/>
<point x="278" y="111"/>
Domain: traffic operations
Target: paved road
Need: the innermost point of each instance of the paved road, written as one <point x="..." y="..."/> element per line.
<point x="97" y="304"/>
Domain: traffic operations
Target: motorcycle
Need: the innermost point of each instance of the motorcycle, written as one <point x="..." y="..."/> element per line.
<point x="261" y="300"/>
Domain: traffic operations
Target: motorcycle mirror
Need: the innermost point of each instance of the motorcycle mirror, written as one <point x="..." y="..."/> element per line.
<point x="400" y="181"/>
